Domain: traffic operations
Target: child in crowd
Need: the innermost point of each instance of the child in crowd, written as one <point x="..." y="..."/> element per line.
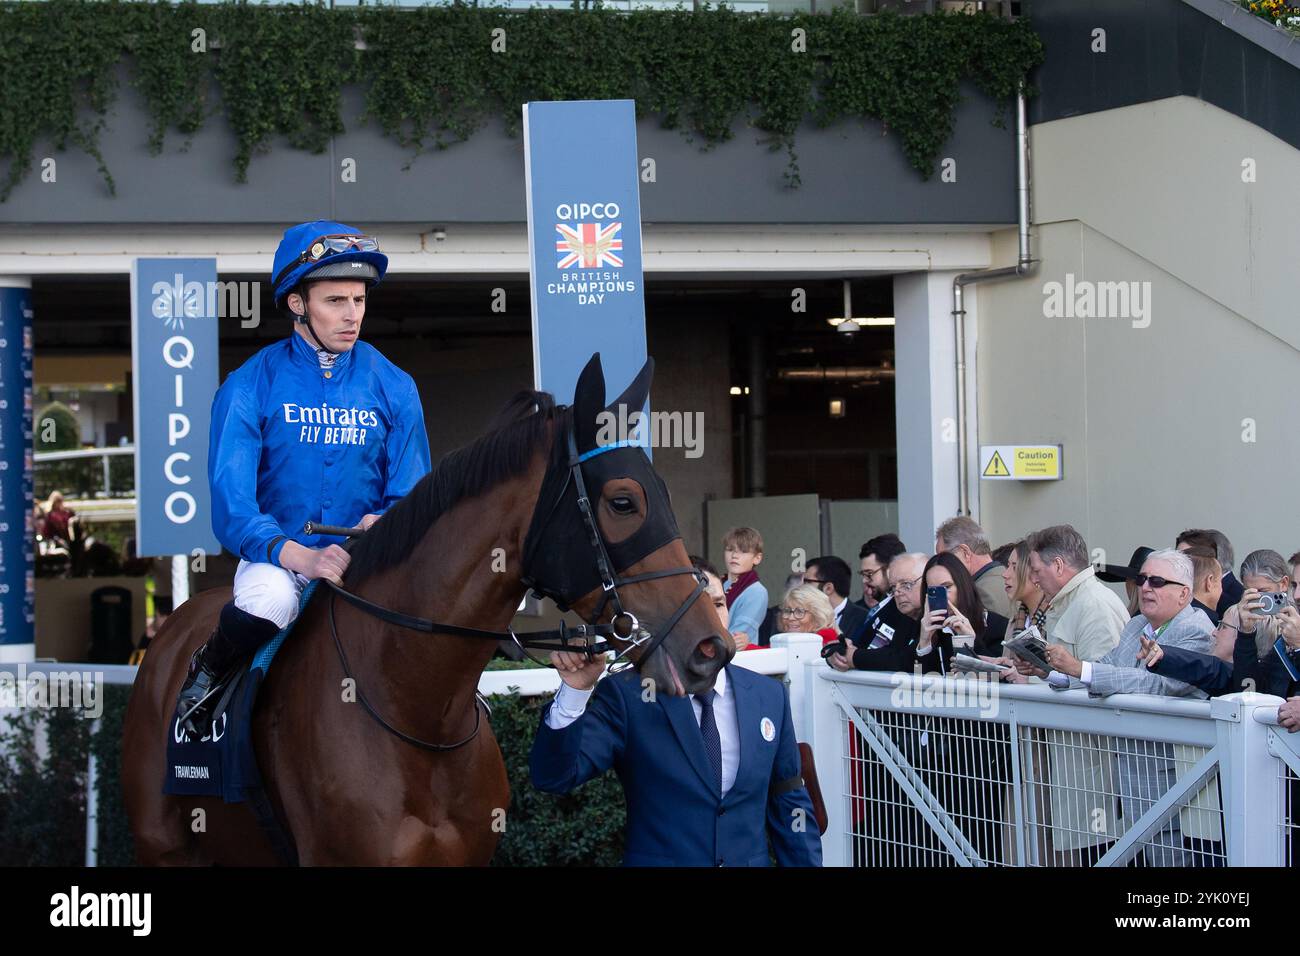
<point x="742" y="550"/>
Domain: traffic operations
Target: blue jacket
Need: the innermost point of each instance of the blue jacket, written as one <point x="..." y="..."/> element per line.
<point x="291" y="443"/>
<point x="675" y="816"/>
<point x="748" y="610"/>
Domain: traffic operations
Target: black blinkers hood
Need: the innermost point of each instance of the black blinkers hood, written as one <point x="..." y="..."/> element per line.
<point x="561" y="561"/>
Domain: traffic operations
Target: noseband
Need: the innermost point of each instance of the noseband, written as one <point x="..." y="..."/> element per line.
<point x="623" y="627"/>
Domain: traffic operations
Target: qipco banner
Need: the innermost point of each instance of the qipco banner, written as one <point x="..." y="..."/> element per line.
<point x="584" y="242"/>
<point x="17" y="532"/>
<point x="174" y="366"/>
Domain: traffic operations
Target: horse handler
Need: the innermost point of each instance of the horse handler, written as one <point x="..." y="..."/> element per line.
<point x="318" y="426"/>
<point x="707" y="779"/>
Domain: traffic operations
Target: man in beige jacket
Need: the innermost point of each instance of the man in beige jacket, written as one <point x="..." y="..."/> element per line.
<point x="1084" y="617"/>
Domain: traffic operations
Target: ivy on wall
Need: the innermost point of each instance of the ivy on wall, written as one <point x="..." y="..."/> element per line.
<point x="432" y="76"/>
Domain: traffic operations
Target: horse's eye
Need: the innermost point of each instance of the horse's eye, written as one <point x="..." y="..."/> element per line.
<point x="622" y="505"/>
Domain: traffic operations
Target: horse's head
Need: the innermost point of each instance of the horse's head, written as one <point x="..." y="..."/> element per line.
<point x="622" y="560"/>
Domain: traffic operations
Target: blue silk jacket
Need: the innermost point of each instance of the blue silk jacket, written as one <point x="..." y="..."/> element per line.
<point x="292" y="442"/>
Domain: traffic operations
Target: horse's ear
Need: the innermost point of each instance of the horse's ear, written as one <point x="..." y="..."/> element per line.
<point x="588" y="400"/>
<point x="636" y="394"/>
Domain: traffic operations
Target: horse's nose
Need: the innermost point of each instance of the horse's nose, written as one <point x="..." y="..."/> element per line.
<point x="711" y="647"/>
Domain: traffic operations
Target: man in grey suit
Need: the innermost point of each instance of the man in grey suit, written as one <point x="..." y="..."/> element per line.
<point x="1146" y="770"/>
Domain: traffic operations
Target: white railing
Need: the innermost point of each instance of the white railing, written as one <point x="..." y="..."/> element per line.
<point x="1284" y="749"/>
<point x="532" y="682"/>
<point x="103" y="454"/>
<point x="962" y="771"/>
<point x="958" y="771"/>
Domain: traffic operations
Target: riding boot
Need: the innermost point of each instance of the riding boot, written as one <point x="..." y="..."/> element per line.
<point x="237" y="634"/>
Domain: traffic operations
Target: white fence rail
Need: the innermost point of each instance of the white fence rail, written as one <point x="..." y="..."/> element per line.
<point x="961" y="771"/>
<point x="18" y="679"/>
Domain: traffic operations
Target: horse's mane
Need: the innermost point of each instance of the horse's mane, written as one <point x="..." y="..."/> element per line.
<point x="504" y="452"/>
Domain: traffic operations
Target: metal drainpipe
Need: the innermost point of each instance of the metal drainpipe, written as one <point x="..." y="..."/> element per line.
<point x="1024" y="266"/>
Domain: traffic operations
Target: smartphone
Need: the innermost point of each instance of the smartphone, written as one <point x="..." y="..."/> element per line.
<point x="937" y="598"/>
<point x="1272" y="602"/>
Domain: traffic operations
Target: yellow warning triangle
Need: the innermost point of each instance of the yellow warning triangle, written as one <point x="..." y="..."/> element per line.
<point x="996" y="467"/>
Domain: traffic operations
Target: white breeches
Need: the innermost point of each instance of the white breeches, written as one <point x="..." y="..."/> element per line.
<point x="268" y="591"/>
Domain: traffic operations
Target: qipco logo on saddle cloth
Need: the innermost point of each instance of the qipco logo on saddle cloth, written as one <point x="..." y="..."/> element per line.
<point x="216" y="731"/>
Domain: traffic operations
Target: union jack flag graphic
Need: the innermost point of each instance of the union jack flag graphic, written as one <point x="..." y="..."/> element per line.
<point x="589" y="245"/>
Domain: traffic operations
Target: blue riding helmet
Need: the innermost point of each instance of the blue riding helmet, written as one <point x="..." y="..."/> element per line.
<point x="318" y="249"/>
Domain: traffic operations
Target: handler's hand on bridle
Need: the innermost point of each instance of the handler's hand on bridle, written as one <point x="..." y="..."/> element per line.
<point x="577" y="670"/>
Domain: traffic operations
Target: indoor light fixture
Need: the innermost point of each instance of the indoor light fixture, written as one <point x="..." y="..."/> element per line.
<point x="848" y="322"/>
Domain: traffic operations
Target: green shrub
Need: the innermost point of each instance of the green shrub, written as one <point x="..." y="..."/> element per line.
<point x="582" y="828"/>
<point x="43" y="801"/>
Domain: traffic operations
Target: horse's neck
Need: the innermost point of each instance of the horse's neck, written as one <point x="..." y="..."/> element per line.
<point x="465" y="571"/>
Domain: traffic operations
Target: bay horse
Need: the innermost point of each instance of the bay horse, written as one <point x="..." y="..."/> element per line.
<point x="501" y="515"/>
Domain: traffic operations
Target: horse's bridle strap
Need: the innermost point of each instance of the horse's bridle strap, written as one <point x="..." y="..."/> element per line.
<point x="541" y="640"/>
<point x="479" y="703"/>
<point x="531" y="639"/>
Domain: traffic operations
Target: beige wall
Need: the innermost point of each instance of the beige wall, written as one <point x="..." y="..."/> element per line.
<point x="1151" y="418"/>
<point x="63" y="625"/>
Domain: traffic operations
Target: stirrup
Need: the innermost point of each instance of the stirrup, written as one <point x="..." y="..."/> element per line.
<point x="200" y="705"/>
<point x="189" y="719"/>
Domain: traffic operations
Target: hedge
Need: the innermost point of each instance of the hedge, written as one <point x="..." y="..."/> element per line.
<point x="43" y="801"/>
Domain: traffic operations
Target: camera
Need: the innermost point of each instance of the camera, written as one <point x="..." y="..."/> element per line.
<point x="1272" y="602"/>
<point x="834" y="647"/>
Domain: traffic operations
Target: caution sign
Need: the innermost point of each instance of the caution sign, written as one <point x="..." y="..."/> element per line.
<point x="1020" y="462"/>
<point x="996" y="468"/>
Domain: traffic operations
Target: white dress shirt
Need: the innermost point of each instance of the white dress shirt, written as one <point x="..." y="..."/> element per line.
<point x="569" y="705"/>
<point x="839" y="609"/>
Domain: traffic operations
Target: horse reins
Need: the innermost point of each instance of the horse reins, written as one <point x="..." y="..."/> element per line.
<point x="622" y="626"/>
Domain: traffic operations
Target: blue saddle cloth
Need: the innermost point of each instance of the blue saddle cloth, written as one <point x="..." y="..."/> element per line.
<point x="222" y="763"/>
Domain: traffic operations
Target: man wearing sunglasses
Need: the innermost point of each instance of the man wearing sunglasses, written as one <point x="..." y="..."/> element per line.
<point x="1167" y="617"/>
<point x="318" y="426"/>
<point x="1147" y="770"/>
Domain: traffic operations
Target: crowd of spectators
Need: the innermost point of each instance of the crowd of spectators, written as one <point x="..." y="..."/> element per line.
<point x="1187" y="627"/>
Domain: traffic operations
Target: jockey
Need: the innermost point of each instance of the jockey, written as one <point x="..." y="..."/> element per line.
<point x="318" y="426"/>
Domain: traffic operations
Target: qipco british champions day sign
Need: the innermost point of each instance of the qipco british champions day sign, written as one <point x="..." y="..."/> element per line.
<point x="584" y="242"/>
<point x="174" y="366"/>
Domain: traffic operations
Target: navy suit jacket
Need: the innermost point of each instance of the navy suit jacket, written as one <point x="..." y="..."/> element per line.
<point x="675" y="816"/>
<point x="1215" y="677"/>
<point x="853" y="619"/>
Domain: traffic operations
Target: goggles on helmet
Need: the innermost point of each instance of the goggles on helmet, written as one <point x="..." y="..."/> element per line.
<point x="326" y="246"/>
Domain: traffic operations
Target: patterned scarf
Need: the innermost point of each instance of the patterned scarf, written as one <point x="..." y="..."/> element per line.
<point x="742" y="582"/>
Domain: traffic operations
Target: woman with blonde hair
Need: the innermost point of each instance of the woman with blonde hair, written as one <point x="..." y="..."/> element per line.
<point x="806" y="609"/>
<point x="1027" y="603"/>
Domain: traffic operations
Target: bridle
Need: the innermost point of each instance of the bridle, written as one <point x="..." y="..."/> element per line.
<point x="623" y="627"/>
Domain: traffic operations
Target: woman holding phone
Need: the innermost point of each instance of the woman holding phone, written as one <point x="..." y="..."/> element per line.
<point x="953" y="613"/>
<point x="968" y="762"/>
